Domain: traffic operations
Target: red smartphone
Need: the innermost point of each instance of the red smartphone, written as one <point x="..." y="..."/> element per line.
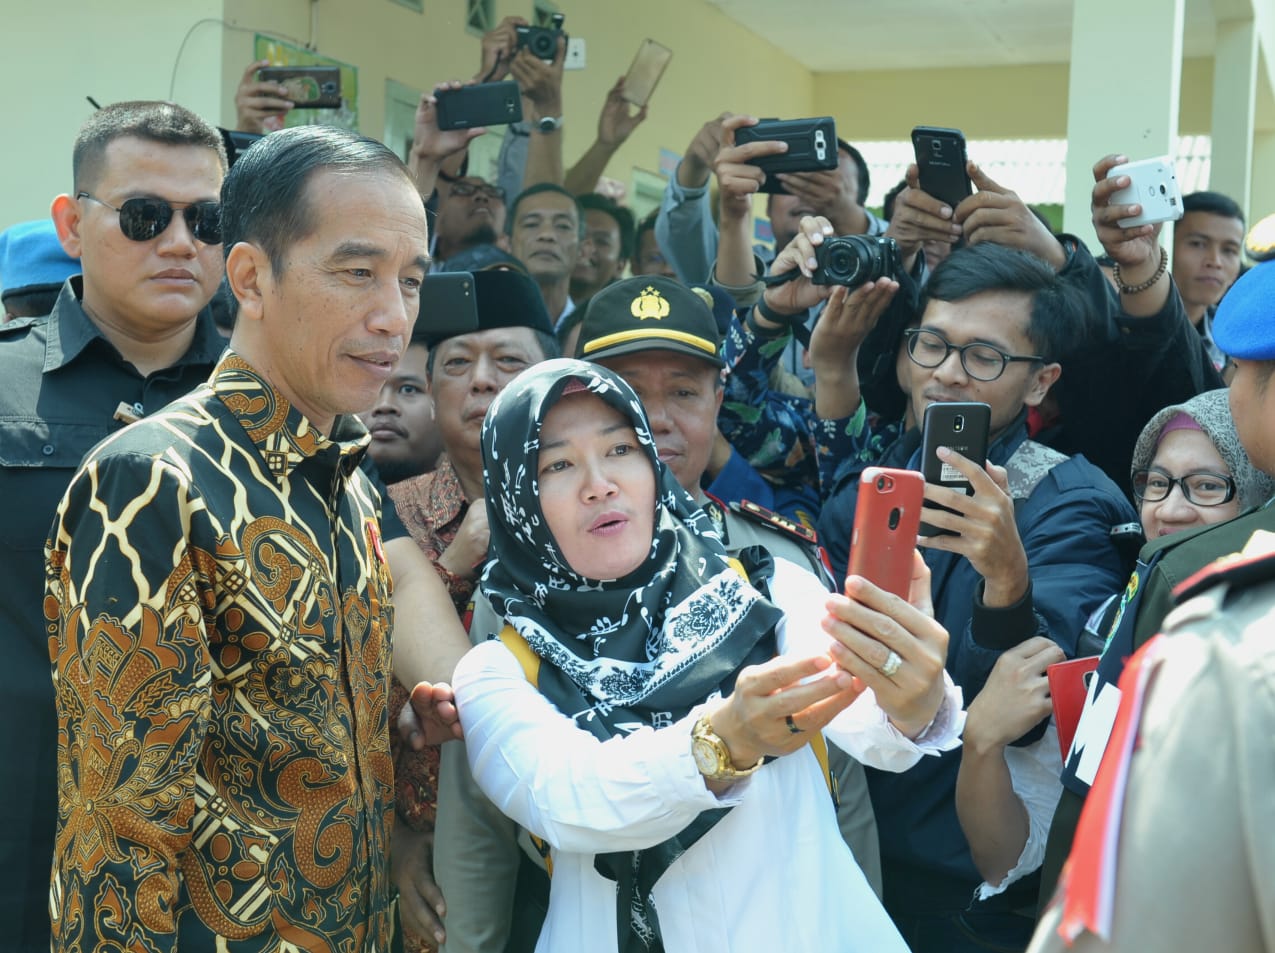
<point x="886" y="520"/>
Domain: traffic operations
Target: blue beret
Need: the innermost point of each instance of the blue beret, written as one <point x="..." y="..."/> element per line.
<point x="31" y="258"/>
<point x="1244" y="325"/>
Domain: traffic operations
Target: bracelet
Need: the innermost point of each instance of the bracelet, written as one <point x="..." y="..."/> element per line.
<point x="1137" y="289"/>
<point x="765" y="311"/>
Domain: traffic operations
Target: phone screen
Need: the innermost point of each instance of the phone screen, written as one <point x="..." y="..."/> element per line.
<point x="643" y="76"/>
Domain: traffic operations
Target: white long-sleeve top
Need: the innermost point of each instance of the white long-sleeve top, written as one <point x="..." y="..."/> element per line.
<point x="773" y="874"/>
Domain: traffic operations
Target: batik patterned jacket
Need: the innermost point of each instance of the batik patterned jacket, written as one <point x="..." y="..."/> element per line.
<point x="219" y="617"/>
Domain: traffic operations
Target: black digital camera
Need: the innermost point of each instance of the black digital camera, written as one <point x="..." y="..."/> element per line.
<point x="853" y="260"/>
<point x="542" y="41"/>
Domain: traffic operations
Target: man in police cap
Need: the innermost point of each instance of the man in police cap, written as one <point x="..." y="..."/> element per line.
<point x="662" y="338"/>
<point x="1244" y="328"/>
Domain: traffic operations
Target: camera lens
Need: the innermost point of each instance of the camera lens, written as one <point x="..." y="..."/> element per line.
<point x="544" y="45"/>
<point x="880" y="483"/>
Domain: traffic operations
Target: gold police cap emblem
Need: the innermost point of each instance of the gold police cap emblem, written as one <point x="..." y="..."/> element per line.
<point x="649" y="304"/>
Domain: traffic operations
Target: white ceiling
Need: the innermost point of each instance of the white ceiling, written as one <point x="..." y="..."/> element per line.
<point x="835" y="35"/>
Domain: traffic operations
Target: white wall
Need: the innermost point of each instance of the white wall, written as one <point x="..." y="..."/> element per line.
<point x="53" y="53"/>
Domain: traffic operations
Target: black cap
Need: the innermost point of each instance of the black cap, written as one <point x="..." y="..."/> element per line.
<point x="483" y="258"/>
<point x="499" y="299"/>
<point x="650" y="313"/>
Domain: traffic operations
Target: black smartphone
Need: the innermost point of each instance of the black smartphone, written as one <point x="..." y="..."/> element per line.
<point x="486" y="104"/>
<point x="812" y="147"/>
<point x="962" y="427"/>
<point x="940" y="162"/>
<point x="309" y="87"/>
<point x="448" y="307"/>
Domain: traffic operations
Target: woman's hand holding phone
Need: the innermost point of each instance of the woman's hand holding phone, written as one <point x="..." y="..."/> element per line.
<point x="870" y="627"/>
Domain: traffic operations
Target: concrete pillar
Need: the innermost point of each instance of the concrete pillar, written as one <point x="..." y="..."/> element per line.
<point x="1126" y="74"/>
<point x="1262" y="194"/>
<point x="1234" y="108"/>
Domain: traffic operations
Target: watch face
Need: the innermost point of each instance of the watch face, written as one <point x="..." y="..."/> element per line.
<point x="705" y="756"/>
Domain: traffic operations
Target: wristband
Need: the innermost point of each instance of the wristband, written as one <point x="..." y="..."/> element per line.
<point x="1138" y="289"/>
<point x="787" y="320"/>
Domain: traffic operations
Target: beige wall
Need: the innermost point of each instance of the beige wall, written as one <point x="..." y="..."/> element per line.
<point x="1008" y="102"/>
<point x="56" y="52"/>
<point x="61" y="50"/>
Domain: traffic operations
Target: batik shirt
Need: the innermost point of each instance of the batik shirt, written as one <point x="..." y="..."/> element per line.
<point x="218" y="611"/>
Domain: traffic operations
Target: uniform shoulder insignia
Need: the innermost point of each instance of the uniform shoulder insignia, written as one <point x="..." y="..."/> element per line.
<point x="1254" y="564"/>
<point x="789" y="527"/>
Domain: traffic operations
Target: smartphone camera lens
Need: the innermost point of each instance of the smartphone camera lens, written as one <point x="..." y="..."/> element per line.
<point x="880" y="483"/>
<point x="1163" y="189"/>
<point x="958" y="423"/>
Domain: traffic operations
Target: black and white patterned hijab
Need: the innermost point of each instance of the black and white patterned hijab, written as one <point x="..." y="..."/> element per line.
<point x="618" y="654"/>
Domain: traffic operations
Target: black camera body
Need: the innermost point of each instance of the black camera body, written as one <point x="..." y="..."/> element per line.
<point x="542" y="41"/>
<point x="853" y="260"/>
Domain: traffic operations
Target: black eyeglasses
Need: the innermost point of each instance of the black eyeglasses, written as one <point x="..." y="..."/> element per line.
<point x="493" y="193"/>
<point x="983" y="362"/>
<point x="142" y="219"/>
<point x="1203" y="488"/>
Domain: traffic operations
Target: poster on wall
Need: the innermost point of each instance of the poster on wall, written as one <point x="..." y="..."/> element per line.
<point x="280" y="53"/>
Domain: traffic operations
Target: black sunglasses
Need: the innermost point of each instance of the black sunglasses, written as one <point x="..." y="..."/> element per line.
<point x="144" y="219"/>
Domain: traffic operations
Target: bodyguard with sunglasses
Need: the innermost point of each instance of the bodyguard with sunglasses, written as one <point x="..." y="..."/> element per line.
<point x="123" y="340"/>
<point x="1031" y="555"/>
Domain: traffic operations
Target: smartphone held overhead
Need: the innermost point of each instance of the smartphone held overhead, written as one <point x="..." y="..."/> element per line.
<point x="483" y="104"/>
<point x="308" y="87"/>
<point x="886" y="520"/>
<point x="812" y="147"/>
<point x="645" y="72"/>
<point x="1153" y="185"/>
<point x="941" y="162"/>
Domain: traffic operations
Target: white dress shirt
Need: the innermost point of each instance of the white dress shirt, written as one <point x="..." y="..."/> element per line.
<point x="773" y="874"/>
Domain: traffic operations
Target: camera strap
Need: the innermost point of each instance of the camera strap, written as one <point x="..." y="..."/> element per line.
<point x="796" y="322"/>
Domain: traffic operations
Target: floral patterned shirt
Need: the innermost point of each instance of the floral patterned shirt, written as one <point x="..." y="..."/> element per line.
<point x="218" y="609"/>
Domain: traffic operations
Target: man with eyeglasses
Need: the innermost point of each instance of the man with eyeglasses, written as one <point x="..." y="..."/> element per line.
<point x="471" y="212"/>
<point x="123" y="340"/>
<point x="1030" y="553"/>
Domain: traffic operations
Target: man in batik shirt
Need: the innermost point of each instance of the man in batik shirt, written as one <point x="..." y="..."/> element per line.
<point x="218" y="597"/>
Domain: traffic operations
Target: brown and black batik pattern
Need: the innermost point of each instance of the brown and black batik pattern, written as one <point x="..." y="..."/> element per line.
<point x="218" y="614"/>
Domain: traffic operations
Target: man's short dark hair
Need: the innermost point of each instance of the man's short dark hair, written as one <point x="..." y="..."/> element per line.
<point x="859" y="163"/>
<point x="1214" y="203"/>
<point x="647" y="224"/>
<point x="165" y="123"/>
<point x="1056" y="313"/>
<point x="264" y="199"/>
<point x="623" y="218"/>
<point x="887" y="204"/>
<point x="549" y="347"/>
<point x="537" y="189"/>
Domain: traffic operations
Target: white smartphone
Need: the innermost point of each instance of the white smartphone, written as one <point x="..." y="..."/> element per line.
<point x="1154" y="186"/>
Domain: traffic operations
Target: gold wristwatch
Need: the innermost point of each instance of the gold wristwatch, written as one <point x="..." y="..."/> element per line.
<point x="712" y="757"/>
